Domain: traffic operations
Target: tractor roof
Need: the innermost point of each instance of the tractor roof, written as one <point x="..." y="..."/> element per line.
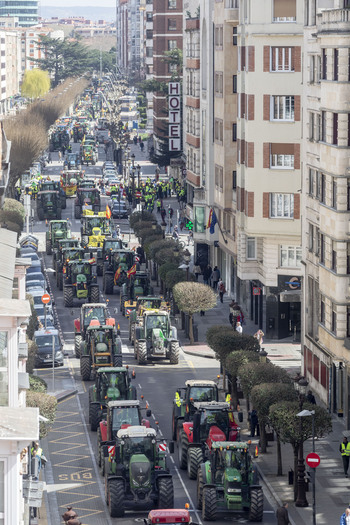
<point x="211" y="405"/>
<point x="156" y="312"/>
<point x="137" y="431"/>
<point x="58" y="221"/>
<point x="230" y="445"/>
<point x="169" y="516"/>
<point x="111" y="370"/>
<point x="150" y="298"/>
<point x="200" y="382"/>
<point x="48" y="192"/>
<point x="122" y="404"/>
<point x="141" y="274"/>
<point x="93" y="305"/>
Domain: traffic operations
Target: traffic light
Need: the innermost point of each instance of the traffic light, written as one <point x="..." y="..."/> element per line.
<point x="189" y="225"/>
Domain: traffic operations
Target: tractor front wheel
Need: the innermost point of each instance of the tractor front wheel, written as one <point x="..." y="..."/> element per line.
<point x="166" y="493"/>
<point x="48" y="247"/>
<point x="200" y="489"/>
<point x="77" y="343"/>
<point x="194" y="460"/>
<point x="117" y="360"/>
<point x="95" y="294"/>
<point x="209" y="508"/>
<point x="116" y="496"/>
<point x="256" y="505"/>
<point x="68" y="296"/>
<point x="182" y="450"/>
<point x="142" y="353"/>
<point x="174" y="353"/>
<point x="85" y="367"/>
<point x="94" y="417"/>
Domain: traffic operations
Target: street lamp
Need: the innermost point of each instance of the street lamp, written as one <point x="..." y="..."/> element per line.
<point x="301" y="384"/>
<point x="132" y="156"/>
<point x="133" y="184"/>
<point x="308" y="413"/>
<point x="138" y="167"/>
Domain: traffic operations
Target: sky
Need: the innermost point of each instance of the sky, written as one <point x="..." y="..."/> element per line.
<point x="79" y="3"/>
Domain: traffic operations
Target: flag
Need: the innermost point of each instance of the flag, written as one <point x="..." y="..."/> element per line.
<point x="212" y="220"/>
<point x="132" y="271"/>
<point x="108" y="212"/>
<point x="117" y="275"/>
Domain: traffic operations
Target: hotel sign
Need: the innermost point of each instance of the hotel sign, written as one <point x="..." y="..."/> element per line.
<point x="174" y="103"/>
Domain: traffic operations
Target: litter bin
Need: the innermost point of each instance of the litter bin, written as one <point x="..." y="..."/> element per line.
<point x="195" y="333"/>
<point x="291" y="477"/>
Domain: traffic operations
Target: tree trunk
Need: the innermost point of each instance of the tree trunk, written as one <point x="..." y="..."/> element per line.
<point x="263" y="440"/>
<point x="234" y="391"/>
<point x="279" y="457"/>
<point x="295" y="450"/>
<point x="190" y="330"/>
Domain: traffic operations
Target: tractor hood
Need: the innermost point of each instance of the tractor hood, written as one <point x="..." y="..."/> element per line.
<point x="140" y="471"/>
<point x="215" y="434"/>
<point x="233" y="475"/>
<point x="113" y="393"/>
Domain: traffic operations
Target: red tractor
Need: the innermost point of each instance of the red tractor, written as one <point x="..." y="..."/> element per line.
<point x="212" y="421"/>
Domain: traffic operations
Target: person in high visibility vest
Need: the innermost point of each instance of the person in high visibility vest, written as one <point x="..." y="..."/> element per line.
<point x="344" y="449"/>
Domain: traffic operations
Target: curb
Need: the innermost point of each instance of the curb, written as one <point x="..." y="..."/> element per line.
<point x="273" y="494"/>
<point x="65" y="394"/>
<point x="192" y="352"/>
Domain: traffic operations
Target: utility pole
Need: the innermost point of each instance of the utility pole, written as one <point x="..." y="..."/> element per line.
<point x="100" y="62"/>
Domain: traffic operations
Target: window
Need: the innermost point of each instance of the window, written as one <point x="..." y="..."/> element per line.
<point x="311" y="181"/>
<point x="282" y="108"/>
<point x="312" y="76"/>
<point x="335" y="129"/>
<point x="149" y="17"/>
<point x="149" y="51"/>
<point x="318" y="184"/>
<point x="218" y="83"/>
<point x="219" y="35"/>
<point x="218" y="130"/>
<point x="282" y="156"/>
<point x="335" y="63"/>
<point x="199" y="219"/>
<point x="348" y="258"/>
<point x="282" y="205"/>
<point x="323" y="188"/>
<point x="334" y="257"/>
<point x="234" y="132"/>
<point x="172" y="44"/>
<point x="284" y="10"/>
<point x="324" y="126"/>
<point x="219" y="178"/>
<point x="311" y="237"/>
<point x="348" y="321"/>
<point x="234" y="84"/>
<point x="171" y="24"/>
<point x="348" y="196"/>
<point x="251" y="248"/>
<point x="172" y="4"/>
<point x="324" y="64"/>
<point x="3" y="369"/>
<point x="234" y="180"/>
<point x="322" y="310"/>
<point x="2" y="492"/>
<point x="234" y="36"/>
<point x="334" y="194"/>
<point x="282" y="59"/>
<point x="311" y="125"/>
<point x="291" y="256"/>
<point x="322" y="248"/>
<point x="334" y="320"/>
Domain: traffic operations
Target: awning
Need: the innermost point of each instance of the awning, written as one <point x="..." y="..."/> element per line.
<point x="293" y="296"/>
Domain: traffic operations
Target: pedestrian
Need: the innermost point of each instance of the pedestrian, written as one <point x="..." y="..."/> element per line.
<point x="259" y="336"/>
<point x="344" y="449"/>
<point x="221" y="289"/>
<point x="142" y="146"/>
<point x="190" y="238"/>
<point x="254" y="423"/>
<point x="60" y="155"/>
<point x="239" y="328"/>
<point x="311" y="398"/>
<point x="207" y="274"/>
<point x="175" y="233"/>
<point x="202" y="312"/>
<point x="282" y="514"/>
<point x="345" y="517"/>
<point x="215" y="277"/>
<point x="49" y="159"/>
<point x="197" y="270"/>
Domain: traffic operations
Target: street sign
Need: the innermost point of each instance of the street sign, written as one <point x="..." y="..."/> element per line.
<point x="46" y="298"/>
<point x="313" y="460"/>
<point x="256" y="290"/>
<point x="138" y="194"/>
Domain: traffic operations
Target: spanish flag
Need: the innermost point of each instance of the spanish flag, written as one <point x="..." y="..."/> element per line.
<point x="212" y="220"/>
<point x="132" y="271"/>
<point x="117" y="275"/>
<point x="108" y="212"/>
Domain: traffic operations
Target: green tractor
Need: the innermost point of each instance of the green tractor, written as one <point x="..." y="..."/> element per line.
<point x="111" y="384"/>
<point x="51" y="185"/>
<point x="80" y="283"/>
<point x="100" y="348"/>
<point x="137" y="476"/>
<point x="48" y="205"/>
<point x="66" y="255"/>
<point x="143" y="304"/>
<point x="88" y="312"/>
<point x="61" y="245"/>
<point x="89" y="223"/>
<point x="138" y="284"/>
<point x="88" y="198"/>
<point x="115" y="269"/>
<point x="229" y="481"/>
<point x="156" y="338"/>
<point x="109" y="244"/>
<point x="119" y="414"/>
<point x="57" y="231"/>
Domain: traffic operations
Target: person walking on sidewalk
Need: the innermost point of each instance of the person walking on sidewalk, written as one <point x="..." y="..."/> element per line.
<point x="215" y="277"/>
<point x="239" y="328"/>
<point x="282" y="514"/>
<point x="345" y="517"/>
<point x="222" y="290"/>
<point x="344" y="449"/>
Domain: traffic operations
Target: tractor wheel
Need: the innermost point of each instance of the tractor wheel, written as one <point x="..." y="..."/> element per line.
<point x="123" y="298"/>
<point x="99" y="269"/>
<point x="209" y="506"/>
<point x="132" y="334"/>
<point x="199" y="489"/>
<point x="77" y="212"/>
<point x="116" y="496"/>
<point x="95" y="294"/>
<point x="102" y="461"/>
<point x="77" y="343"/>
<point x="117" y="360"/>
<point x="174" y="353"/>
<point x="60" y="281"/>
<point x="194" y="460"/>
<point x="94" y="417"/>
<point x="68" y="294"/>
<point x="165" y="493"/>
<point x="256" y="505"/>
<point x="85" y="367"/>
<point x="40" y="214"/>
<point x="108" y="284"/>
<point x="48" y="247"/>
<point x="135" y="349"/>
<point x="182" y="450"/>
<point x="142" y="353"/>
<point x="90" y="393"/>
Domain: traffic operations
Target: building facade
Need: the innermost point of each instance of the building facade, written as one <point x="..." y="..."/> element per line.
<point x="122" y="36"/>
<point x="148" y="59"/>
<point x="25" y="10"/>
<point x="326" y="202"/>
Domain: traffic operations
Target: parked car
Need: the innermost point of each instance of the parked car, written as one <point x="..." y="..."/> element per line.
<point x="45" y="340"/>
<point x="120" y="210"/>
<point x="36" y="276"/>
<point x="35" y="285"/>
<point x="38" y="304"/>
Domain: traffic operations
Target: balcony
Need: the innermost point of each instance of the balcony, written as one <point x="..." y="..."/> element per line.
<point x="334" y="20"/>
<point x="231" y="10"/>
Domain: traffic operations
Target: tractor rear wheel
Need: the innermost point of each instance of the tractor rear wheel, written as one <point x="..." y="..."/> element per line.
<point x="99" y="447"/>
<point x="77" y="212"/>
<point x="256" y="505"/>
<point x="123" y="298"/>
<point x="68" y="294"/>
<point x="95" y="294"/>
<point x="103" y="463"/>
<point x="174" y="353"/>
<point x="99" y="268"/>
<point x="200" y="489"/>
<point x="48" y="247"/>
<point x="116" y="496"/>
<point x="182" y="450"/>
<point x="85" y="367"/>
<point x="194" y="460"/>
<point x="108" y="284"/>
<point x="117" y="360"/>
<point x="141" y="353"/>
<point x="94" y="417"/>
<point x="77" y="343"/>
<point x="165" y="493"/>
<point x="209" y="506"/>
<point x="60" y="281"/>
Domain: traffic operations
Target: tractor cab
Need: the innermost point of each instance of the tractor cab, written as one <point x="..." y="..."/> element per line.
<point x="215" y="422"/>
<point x="96" y="311"/>
<point x="137" y="441"/>
<point x="123" y="414"/>
<point x="140" y="284"/>
<point x="156" y="321"/>
<point x="112" y="383"/>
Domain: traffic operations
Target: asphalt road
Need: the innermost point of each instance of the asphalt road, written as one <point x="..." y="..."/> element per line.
<point x="72" y="474"/>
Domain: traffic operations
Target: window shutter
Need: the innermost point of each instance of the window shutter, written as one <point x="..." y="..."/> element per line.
<point x="266" y="205"/>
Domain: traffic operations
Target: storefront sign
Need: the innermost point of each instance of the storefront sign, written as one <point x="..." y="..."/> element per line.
<point x="174" y="104"/>
<point x="288" y="283"/>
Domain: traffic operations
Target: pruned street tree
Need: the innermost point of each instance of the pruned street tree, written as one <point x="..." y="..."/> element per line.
<point x="192" y="297"/>
<point x="233" y="362"/>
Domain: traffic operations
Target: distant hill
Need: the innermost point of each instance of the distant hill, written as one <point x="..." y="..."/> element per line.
<point x="89" y="12"/>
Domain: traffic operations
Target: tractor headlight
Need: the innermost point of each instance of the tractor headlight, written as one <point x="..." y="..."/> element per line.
<point x="230" y="491"/>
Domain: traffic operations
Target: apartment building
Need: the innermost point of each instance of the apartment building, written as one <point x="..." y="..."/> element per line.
<point x="326" y="202"/>
<point x="148" y="60"/>
<point x="268" y="185"/>
<point x="167" y="35"/>
<point x="25" y="10"/>
<point x="122" y="36"/>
